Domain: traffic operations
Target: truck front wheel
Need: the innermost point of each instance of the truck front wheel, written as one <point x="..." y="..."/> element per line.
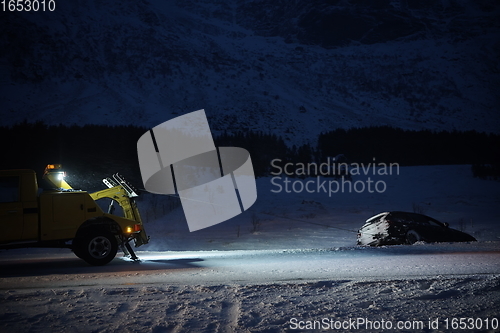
<point x="97" y="248"/>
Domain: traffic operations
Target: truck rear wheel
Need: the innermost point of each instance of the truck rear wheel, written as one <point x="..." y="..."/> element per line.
<point x="97" y="248"/>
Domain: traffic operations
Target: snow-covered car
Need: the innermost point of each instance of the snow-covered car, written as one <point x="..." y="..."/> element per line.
<point x="391" y="228"/>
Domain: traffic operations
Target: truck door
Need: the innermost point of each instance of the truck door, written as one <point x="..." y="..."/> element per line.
<point x="63" y="213"/>
<point x="11" y="210"/>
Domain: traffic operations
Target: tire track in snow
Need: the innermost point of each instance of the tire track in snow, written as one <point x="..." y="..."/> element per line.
<point x="230" y="313"/>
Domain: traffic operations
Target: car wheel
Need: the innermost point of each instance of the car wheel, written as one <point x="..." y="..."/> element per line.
<point x="97" y="248"/>
<point x="412" y="237"/>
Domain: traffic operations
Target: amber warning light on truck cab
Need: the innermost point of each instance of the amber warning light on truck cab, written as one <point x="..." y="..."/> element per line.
<point x="53" y="166"/>
<point x="55" y="176"/>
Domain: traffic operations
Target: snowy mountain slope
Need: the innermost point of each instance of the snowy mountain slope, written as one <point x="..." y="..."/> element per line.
<point x="292" y="68"/>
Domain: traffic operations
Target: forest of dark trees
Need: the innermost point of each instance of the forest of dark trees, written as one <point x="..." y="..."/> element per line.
<point x="92" y="152"/>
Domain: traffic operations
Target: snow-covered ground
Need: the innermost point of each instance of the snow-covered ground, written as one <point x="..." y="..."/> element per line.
<point x="255" y="291"/>
<point x="300" y="219"/>
<point x="288" y="263"/>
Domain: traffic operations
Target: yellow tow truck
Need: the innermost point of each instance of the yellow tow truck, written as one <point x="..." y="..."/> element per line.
<point x="57" y="215"/>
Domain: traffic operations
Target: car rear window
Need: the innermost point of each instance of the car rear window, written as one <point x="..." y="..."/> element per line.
<point x="420" y="219"/>
<point x="398" y="217"/>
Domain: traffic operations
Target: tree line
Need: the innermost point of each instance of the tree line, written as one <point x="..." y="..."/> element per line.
<point x="92" y="152"/>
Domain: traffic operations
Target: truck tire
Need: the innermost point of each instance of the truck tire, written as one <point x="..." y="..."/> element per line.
<point x="97" y="247"/>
